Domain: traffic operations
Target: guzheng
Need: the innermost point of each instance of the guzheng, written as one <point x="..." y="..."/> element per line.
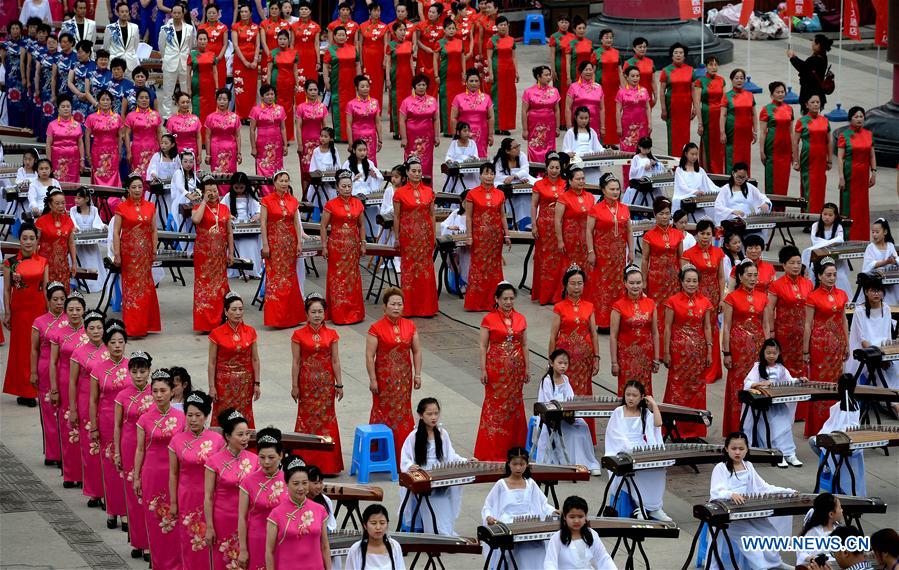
<point x="473" y="472"/>
<point x="640" y="227"/>
<point x="175" y="236"/>
<point x="82" y="273"/>
<point x="867" y="437"/>
<point x="890" y="277"/>
<point x="776" y="220"/>
<point x="516" y="237"/>
<point x="410" y="542"/>
<point x="225" y="178"/>
<point x="758" y="506"/>
<point x="292" y="441"/>
<point x="603" y="407"/>
<point x="8" y="172"/>
<point x="91" y="237"/>
<point x="516" y="188"/>
<point x="8" y="131"/>
<point x="20" y="148"/>
<point x="353" y="492"/>
<point x="171" y="258"/>
<point x="470" y="166"/>
<point x="7" y="219"/>
<point x="330" y="176"/>
<point x="668" y="455"/>
<point x="887" y="351"/>
<point x="246" y="228"/>
<point x="605" y="159"/>
<point x="783" y="393"/>
<point x="69" y="189"/>
<point x="9" y="247"/>
<point x="505" y="535"/>
<point x="846" y="250"/>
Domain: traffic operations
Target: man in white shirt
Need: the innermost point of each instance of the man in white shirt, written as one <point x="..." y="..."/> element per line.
<point x="81" y="27"/>
<point x="122" y="37"/>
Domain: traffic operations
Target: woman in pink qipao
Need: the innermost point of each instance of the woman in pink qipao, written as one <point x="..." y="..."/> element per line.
<point x="311" y="117"/>
<point x="104" y="142"/>
<point x="260" y="492"/>
<point x="223" y="133"/>
<point x="188" y="454"/>
<point x="41" y="329"/>
<point x="540" y="114"/>
<point x="419" y="124"/>
<point x="475" y="108"/>
<point x="297" y="528"/>
<point x="268" y="135"/>
<point x="143" y="129"/>
<point x="185" y="126"/>
<point x="64" y="142"/>
<point x="363" y="118"/>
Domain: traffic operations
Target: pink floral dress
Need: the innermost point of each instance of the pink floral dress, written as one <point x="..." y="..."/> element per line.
<point x="634" y="119"/>
<point x="419" y="113"/>
<point x="67" y="339"/>
<point x="224" y="129"/>
<point x="269" y="144"/>
<point x="192" y="452"/>
<point x="313" y="116"/>
<point x="44" y="325"/>
<point x="542" y="125"/>
<point x="587" y="95"/>
<point x="184" y="127"/>
<point x="105" y="149"/>
<point x="473" y="109"/>
<point x="365" y="115"/>
<point x="133" y="403"/>
<point x="300" y="528"/>
<point x="64" y="153"/>
<point x="85" y="357"/>
<point x="111" y="378"/>
<point x="229" y="471"/>
<point x="265" y="493"/>
<point x="158" y="429"/>
<point x="144" y="125"/>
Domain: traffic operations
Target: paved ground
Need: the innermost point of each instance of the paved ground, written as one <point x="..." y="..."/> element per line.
<point x="44" y="526"/>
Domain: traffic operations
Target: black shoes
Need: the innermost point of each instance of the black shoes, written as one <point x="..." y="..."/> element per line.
<point x="30" y="402"/>
<point x="94" y="503"/>
<point x="112" y="522"/>
<point x="69" y="484"/>
<point x="137" y="553"/>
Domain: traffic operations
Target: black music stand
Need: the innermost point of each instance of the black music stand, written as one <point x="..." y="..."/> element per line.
<point x="415" y="512"/>
<point x="756" y="414"/>
<point x="445" y="250"/>
<point x="713" y="546"/>
<point x="524" y="269"/>
<point x="839" y="459"/>
<point x="870" y="360"/>
<point x="630" y="545"/>
<point x="353" y="514"/>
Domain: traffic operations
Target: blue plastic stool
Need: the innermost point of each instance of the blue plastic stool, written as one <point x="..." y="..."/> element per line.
<point x="533" y="424"/>
<point x="625" y="505"/>
<point x="380" y="460"/>
<point x="532" y="32"/>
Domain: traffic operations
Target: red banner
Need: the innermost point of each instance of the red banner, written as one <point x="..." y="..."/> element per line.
<point x="690" y="9"/>
<point x="801" y="8"/>
<point x="746" y="12"/>
<point x="850" y="20"/>
<point x="881" y="32"/>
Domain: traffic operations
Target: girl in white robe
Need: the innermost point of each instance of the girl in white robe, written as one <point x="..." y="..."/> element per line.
<point x="162" y="167"/>
<point x="515" y="496"/>
<point x="462" y="148"/>
<point x="581" y="139"/>
<point x="325" y="158"/>
<point x="732" y="480"/>
<point x="184" y="191"/>
<point x="86" y="218"/>
<point x="881" y="255"/>
<point x="376" y="550"/>
<point x="426" y="448"/>
<point x="316" y="488"/>
<point x="512" y="167"/>
<point x="576" y="546"/>
<point x="843" y="415"/>
<point x="825" y="516"/>
<point x="637" y="422"/>
<point x="37" y="187"/>
<point x="644" y="164"/>
<point x="454" y="224"/>
<point x="872" y="325"/>
<point x="691" y="179"/>
<point x="575" y="446"/>
<point x="679" y="217"/>
<point x="825" y="232"/>
<point x="770" y="369"/>
<point x="244" y="207"/>
<point x="24" y="175"/>
<point x="367" y="179"/>
<point x="739" y="198"/>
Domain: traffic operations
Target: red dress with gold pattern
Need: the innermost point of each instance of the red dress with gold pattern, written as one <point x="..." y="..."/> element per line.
<point x="635" y="352"/>
<point x="304" y="41"/>
<point x="54" y="245"/>
<point x="574" y="235"/>
<point x="416" y="239"/>
<point x="708" y="263"/>
<point x="392" y="405"/>
<point x="503" y="423"/>
<point x="661" y="245"/>
<point x="547" y="271"/>
<point x="140" y="307"/>
<point x="373" y="34"/>
<point x="767" y="274"/>
<point x="610" y="242"/>
<point x="574" y="337"/>
<point x="487" y="220"/>
<point x="789" y="327"/>
<point x="210" y="267"/>
<point x="746" y="338"/>
<point x="687" y="349"/>
<point x="218" y="38"/>
<point x="283" y="297"/>
<point x="315" y="408"/>
<point x="828" y="347"/>
<point x="245" y="78"/>
<point x="234" y="374"/>
<point x="344" y="284"/>
<point x="27" y="302"/>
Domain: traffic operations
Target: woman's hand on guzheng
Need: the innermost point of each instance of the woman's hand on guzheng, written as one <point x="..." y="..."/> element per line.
<point x="738" y="498"/>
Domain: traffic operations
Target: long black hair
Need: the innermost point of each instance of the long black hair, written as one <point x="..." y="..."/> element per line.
<point x="872" y="282"/>
<point x="552" y="358"/>
<point x="574" y="127"/>
<point x="763" y="362"/>
<point x="367" y="514"/>
<point x="644" y="410"/>
<point x="354" y="163"/>
<point x="331" y="147"/>
<point x="240" y="177"/>
<point x="315" y="475"/>
<point x="824" y="504"/>
<point x="888" y="234"/>
<point x="459" y="126"/>
<point x="837" y="221"/>
<point x="571" y="503"/>
<point x="503" y="158"/>
<point x="728" y="235"/>
<point x="846" y="387"/>
<point x="683" y="157"/>
<point x="520" y="453"/>
<point x="728" y="462"/>
<point x="731" y="182"/>
<point x="421" y="434"/>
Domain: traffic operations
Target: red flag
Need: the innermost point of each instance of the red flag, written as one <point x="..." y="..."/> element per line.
<point x="690" y="9"/>
<point x="800" y="8"/>
<point x="746" y="12"/>
<point x="850" y="20"/>
<point x="881" y="7"/>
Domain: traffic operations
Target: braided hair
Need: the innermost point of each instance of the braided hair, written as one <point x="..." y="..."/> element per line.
<point x="367" y="514"/>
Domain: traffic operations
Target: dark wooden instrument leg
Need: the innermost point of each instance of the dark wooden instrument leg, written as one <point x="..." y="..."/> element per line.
<point x="415" y="560"/>
<point x="415" y="512"/>
<point x="693" y="546"/>
<point x="632" y="486"/>
<point x="442" y="273"/>
<point x="821" y="471"/>
<point x="639" y="544"/>
<point x="433" y="514"/>
<point x="713" y="550"/>
<point x="602" y="506"/>
<point x="730" y="549"/>
<point x="399" y="524"/>
<point x="767" y="428"/>
<point x="524" y="270"/>
<point x="357" y="515"/>
<point x="256" y="296"/>
<point x="489" y="556"/>
<point x="617" y="544"/>
<point x="551" y="487"/>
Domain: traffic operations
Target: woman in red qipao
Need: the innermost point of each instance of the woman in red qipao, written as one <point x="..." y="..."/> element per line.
<point x="744" y="333"/>
<point x="341" y="66"/>
<point x="503" y="76"/>
<point x="573" y="330"/>
<point x="218" y="41"/>
<point x="212" y="255"/>
<point x="317" y="383"/>
<point x="245" y="37"/>
<point x="687" y="346"/>
<point x="370" y="44"/>
<point x="451" y="56"/>
<point x="707" y="93"/>
<point x="428" y="34"/>
<point x="134" y="243"/>
<point x="233" y="368"/>
<point x="547" y="190"/>
<point x="56" y="238"/>
<point x="825" y="322"/>
<point x="775" y="141"/>
<point x="858" y="170"/>
<point x="560" y="58"/>
<point x="812" y="153"/>
<point x="343" y="244"/>
<point x="581" y="49"/>
<point x="634" y="334"/>
<point x="675" y="85"/>
<point x="610" y="248"/>
<point x="608" y="61"/>
<point x="306" y="39"/>
<point x="390" y="369"/>
<point x="487" y="228"/>
<point x="399" y="61"/>
<point x="570" y="222"/>
<point x="281" y="245"/>
<point x="504" y="372"/>
<point x="202" y="63"/>
<point x="709" y="262"/>
<point x="754" y="245"/>
<point x="270" y="28"/>
<point x="282" y="75"/>
<point x="662" y="250"/>
<point x="739" y="124"/>
<point x="413" y="223"/>
<point x="24" y="277"/>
